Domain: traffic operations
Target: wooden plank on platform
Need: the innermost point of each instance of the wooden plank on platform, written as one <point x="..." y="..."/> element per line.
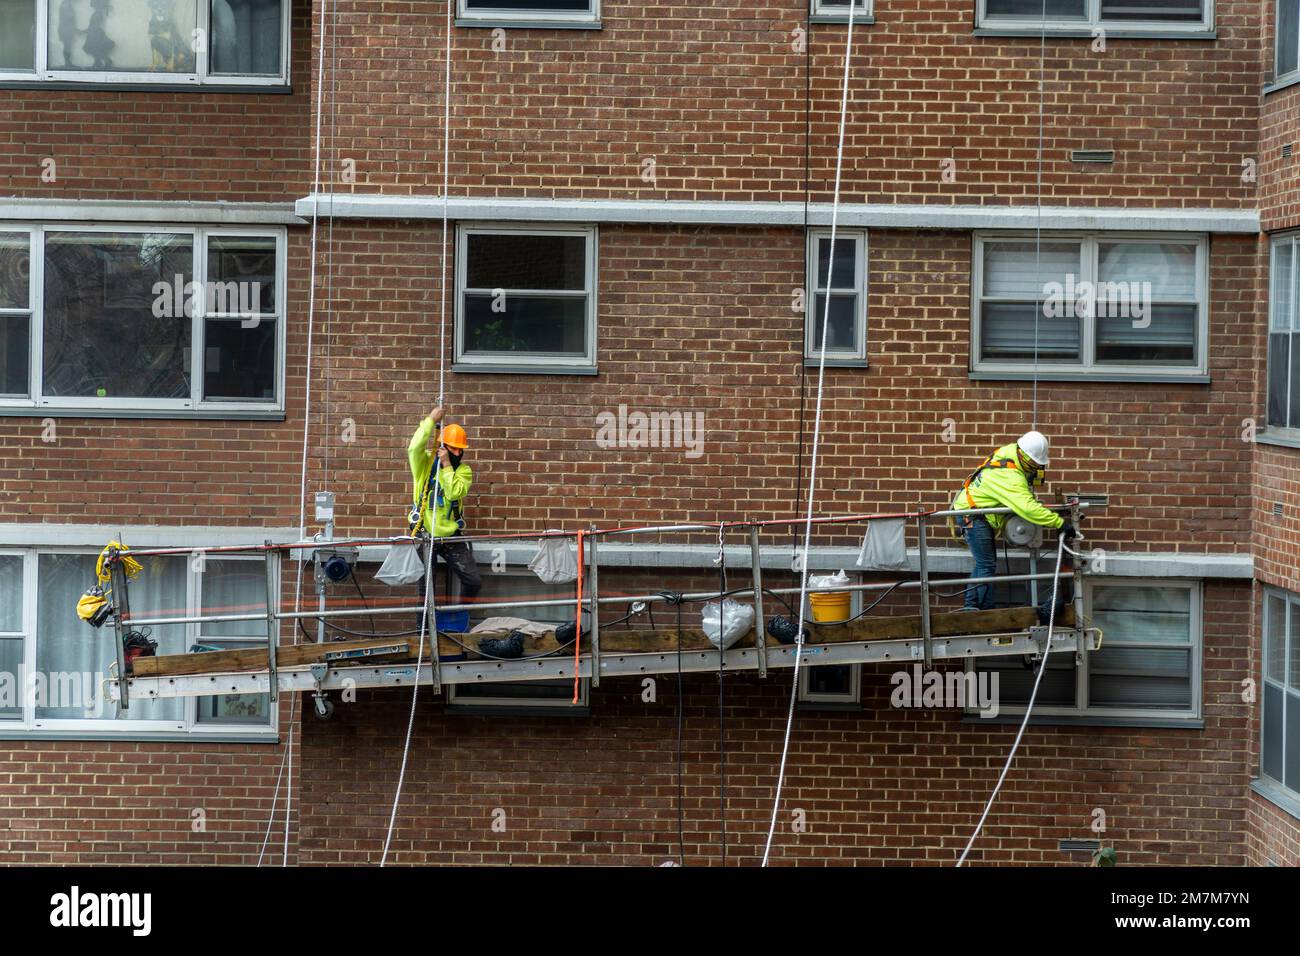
<point x="612" y="641"/>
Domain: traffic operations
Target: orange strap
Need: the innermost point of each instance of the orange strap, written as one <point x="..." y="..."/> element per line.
<point x="577" y="638"/>
<point x="989" y="462"/>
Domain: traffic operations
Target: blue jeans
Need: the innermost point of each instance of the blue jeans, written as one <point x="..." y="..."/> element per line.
<point x="983" y="548"/>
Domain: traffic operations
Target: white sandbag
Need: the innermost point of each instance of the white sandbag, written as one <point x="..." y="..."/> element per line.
<point x="402" y="566"/>
<point x="837" y="580"/>
<point x="737" y="621"/>
<point x="884" y="546"/>
<point x="555" y="561"/>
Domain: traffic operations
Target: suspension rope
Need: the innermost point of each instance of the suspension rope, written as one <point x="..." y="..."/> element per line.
<point x="446" y="186"/>
<point x="817" y="424"/>
<point x="1033" y="696"/>
<point x="1038" y="227"/>
<point x="415" y="696"/>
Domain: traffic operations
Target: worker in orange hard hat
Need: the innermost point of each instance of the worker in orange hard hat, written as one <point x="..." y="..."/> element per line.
<point x="442" y="482"/>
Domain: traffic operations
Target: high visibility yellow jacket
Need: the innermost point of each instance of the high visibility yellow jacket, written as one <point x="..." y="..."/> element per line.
<point x="440" y="510"/>
<point x="1005" y="486"/>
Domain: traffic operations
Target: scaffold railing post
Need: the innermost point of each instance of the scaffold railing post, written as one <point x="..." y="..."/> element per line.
<point x="756" y="572"/>
<point x="593" y="576"/>
<point x="122" y="609"/>
<point x="272" y="624"/>
<point x="431" y="623"/>
<point x="923" y="560"/>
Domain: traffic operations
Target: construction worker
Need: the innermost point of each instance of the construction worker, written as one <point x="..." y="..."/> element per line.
<point x="1005" y="480"/>
<point x="442" y="483"/>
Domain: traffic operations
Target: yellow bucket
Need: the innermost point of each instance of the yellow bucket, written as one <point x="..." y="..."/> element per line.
<point x="830" y="606"/>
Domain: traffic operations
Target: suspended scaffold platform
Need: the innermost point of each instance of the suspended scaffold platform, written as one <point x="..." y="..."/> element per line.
<point x="396" y="661"/>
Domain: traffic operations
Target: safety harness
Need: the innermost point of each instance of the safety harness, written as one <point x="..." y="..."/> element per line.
<point x="992" y="461"/>
<point x="422" y="503"/>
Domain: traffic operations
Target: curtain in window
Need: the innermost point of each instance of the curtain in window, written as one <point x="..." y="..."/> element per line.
<point x="1141" y="664"/>
<point x="1161" y="10"/>
<point x="1283" y="345"/>
<point x="11" y="649"/>
<point x="72" y="655"/>
<point x="1056" y="9"/>
<point x="233" y="587"/>
<point x="18" y="38"/>
<point x="11" y="593"/>
<point x="1288" y="37"/>
<point x="246" y="37"/>
<point x="1021" y="275"/>
<point x="150" y="36"/>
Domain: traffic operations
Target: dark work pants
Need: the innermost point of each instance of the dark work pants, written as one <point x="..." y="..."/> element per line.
<point x="984" y="549"/>
<point x="459" y="557"/>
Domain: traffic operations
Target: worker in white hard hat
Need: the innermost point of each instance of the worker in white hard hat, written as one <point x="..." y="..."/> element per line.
<point x="1005" y="480"/>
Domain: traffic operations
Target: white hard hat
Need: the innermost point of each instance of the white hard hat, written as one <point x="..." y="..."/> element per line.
<point x="1034" y="444"/>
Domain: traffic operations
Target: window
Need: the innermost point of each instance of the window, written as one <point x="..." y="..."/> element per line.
<point x="526" y="298"/>
<point x="1286" y="61"/>
<point x="112" y="318"/>
<point x="527" y="696"/>
<point x="1280" y="724"/>
<point x="1283" y="336"/>
<point x="839" y="10"/>
<point x="52" y="663"/>
<point x="1115" y="305"/>
<point x="844" y="277"/>
<point x="1127" y="15"/>
<point x="1148" y="666"/>
<point x="229" y="42"/>
<point x="531" y="12"/>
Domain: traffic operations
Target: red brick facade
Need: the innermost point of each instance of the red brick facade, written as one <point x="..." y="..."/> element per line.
<point x="694" y="318"/>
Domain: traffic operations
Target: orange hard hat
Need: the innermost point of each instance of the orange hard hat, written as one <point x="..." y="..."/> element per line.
<point x="453" y="436"/>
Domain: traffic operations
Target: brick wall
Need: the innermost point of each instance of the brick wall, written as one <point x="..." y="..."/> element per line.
<point x="716" y="95"/>
<point x="880" y="785"/>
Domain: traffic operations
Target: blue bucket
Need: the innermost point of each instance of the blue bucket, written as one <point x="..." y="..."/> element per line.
<point x="457" y="622"/>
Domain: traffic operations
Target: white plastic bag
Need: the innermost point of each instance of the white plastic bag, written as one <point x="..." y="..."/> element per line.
<point x="554" y="561"/>
<point x="838" y="580"/>
<point x="402" y="566"/>
<point x="737" y="621"/>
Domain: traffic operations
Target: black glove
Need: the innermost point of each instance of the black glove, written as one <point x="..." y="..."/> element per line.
<point x="1068" y="532"/>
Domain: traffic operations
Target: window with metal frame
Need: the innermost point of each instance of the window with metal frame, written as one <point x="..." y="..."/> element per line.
<point x="57" y="663"/>
<point x="112" y="317"/>
<point x="839" y="10"/>
<point x="1118" y="305"/>
<point x="1161" y="16"/>
<point x="844" y="278"/>
<point x="1148" y="667"/>
<point x="525" y="13"/>
<point x="227" y="42"/>
<point x="1286" y="50"/>
<point x="526" y="298"/>
<point x="1279" y="762"/>
<point x="1283" y="388"/>
<point x="521" y="696"/>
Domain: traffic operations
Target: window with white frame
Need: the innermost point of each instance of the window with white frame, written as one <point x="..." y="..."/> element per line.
<point x="235" y="42"/>
<point x="1190" y="16"/>
<point x="52" y="663"/>
<point x="842" y="276"/>
<point x="839" y="9"/>
<point x="1148" y="667"/>
<point x="1122" y="305"/>
<point x="1279" y="761"/>
<point x="530" y="12"/>
<point x="1283" y="399"/>
<point x="526" y="297"/>
<point x="113" y="317"/>
<point x="1286" y="53"/>
<point x="526" y="695"/>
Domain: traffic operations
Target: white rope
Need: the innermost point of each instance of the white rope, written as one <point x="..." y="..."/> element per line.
<point x="817" y="424"/>
<point x="415" y="696"/>
<point x="1033" y="695"/>
<point x="446" y="185"/>
<point x="279" y="778"/>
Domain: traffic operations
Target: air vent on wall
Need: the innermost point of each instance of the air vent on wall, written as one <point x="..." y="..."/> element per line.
<point x="1078" y="846"/>
<point x="1277" y="510"/>
<point x="1286" y="149"/>
<point x="1092" y="156"/>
